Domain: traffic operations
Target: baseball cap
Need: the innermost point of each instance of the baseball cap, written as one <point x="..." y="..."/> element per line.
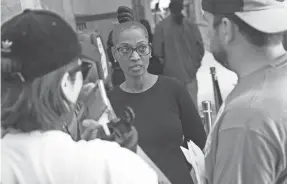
<point x="267" y="16"/>
<point x="37" y="42"/>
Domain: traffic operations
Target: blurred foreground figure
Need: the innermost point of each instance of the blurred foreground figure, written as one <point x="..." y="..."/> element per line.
<point x="248" y="143"/>
<point x="41" y="78"/>
<point x="178" y="42"/>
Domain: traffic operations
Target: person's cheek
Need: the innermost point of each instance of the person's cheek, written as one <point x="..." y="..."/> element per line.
<point x="124" y="64"/>
<point x="210" y="32"/>
<point x="71" y="89"/>
<point x="146" y="61"/>
<point x="213" y="42"/>
<point x="78" y="85"/>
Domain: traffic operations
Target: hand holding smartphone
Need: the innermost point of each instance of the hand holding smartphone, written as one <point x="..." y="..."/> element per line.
<point x="99" y="106"/>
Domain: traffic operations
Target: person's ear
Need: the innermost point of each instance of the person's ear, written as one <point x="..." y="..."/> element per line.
<point x="114" y="52"/>
<point x="71" y="89"/>
<point x="228" y="30"/>
<point x="150" y="54"/>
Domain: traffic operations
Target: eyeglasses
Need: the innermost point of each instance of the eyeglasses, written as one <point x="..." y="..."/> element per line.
<point x="127" y="51"/>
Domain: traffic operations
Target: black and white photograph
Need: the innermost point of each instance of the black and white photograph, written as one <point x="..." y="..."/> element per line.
<point x="143" y="92"/>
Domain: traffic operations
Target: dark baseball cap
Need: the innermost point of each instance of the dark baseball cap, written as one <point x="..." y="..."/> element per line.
<point x="38" y="42"/>
<point x="267" y="16"/>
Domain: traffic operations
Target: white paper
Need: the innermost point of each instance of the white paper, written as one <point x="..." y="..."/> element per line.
<point x="103" y="57"/>
<point x="195" y="157"/>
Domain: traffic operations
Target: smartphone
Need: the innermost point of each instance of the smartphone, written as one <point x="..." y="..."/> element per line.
<point x="84" y="67"/>
<point x="98" y="106"/>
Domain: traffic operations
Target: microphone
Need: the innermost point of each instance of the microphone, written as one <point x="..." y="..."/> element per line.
<point x="125" y="121"/>
<point x="123" y="125"/>
<point x="122" y="130"/>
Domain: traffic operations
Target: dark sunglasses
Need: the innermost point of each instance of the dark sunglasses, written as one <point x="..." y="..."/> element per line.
<point x="84" y="68"/>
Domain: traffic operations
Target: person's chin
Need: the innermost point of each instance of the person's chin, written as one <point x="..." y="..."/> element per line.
<point x="221" y="58"/>
<point x="221" y="61"/>
<point x="137" y="72"/>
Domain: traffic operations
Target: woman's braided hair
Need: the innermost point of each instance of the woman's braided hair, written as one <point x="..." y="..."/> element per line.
<point x="125" y="14"/>
<point x="126" y="21"/>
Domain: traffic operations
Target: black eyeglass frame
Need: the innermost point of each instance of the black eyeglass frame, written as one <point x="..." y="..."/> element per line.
<point x="84" y="67"/>
<point x="134" y="49"/>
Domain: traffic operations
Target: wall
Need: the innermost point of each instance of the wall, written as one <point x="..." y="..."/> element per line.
<point x="92" y="7"/>
<point x="9" y="8"/>
<point x="142" y="9"/>
<point x="69" y="8"/>
<point x="62" y="7"/>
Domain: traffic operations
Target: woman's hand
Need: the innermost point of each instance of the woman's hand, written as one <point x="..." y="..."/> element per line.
<point x="91" y="131"/>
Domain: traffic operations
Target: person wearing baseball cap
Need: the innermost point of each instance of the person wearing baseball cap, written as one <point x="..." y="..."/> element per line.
<point x="248" y="143"/>
<point x="41" y="78"/>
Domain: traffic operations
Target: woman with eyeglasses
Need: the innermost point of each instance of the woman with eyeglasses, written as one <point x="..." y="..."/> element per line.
<point x="41" y="78"/>
<point x="164" y="111"/>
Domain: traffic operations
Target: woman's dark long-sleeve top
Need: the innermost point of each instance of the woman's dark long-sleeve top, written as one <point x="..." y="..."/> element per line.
<point x="163" y="114"/>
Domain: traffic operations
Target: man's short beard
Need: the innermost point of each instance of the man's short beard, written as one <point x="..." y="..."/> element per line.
<point x="221" y="57"/>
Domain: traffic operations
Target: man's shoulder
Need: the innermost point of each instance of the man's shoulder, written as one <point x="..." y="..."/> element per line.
<point x="242" y="116"/>
<point x="256" y="105"/>
<point x="256" y="121"/>
<point x="102" y="157"/>
<point x="89" y="161"/>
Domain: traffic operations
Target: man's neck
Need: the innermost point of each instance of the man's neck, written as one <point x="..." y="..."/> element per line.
<point x="250" y="59"/>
